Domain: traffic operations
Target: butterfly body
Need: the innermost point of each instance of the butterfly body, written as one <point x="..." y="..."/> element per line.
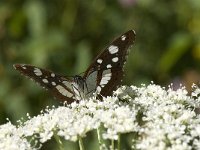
<point x="102" y="76"/>
<point x="80" y="88"/>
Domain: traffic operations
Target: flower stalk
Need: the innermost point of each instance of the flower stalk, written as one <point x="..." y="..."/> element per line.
<point x="59" y="142"/>
<point x="81" y="146"/>
<point x="112" y="145"/>
<point x="119" y="142"/>
<point x="99" y="135"/>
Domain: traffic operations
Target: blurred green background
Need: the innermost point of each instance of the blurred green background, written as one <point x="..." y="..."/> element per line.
<point x="66" y="35"/>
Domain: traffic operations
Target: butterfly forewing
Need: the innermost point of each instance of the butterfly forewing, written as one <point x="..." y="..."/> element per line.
<point x="58" y="85"/>
<point x="106" y="71"/>
<point x="101" y="77"/>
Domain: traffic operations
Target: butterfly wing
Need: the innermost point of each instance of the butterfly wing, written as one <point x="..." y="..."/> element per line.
<point x="59" y="86"/>
<point x="106" y="71"/>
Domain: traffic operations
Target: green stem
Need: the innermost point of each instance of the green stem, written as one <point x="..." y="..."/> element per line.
<point x="101" y="141"/>
<point x="112" y="145"/>
<point x="99" y="136"/>
<point x="57" y="138"/>
<point x="119" y="142"/>
<point x="81" y="146"/>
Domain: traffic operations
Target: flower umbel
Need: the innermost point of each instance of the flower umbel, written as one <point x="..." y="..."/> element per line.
<point x="161" y="118"/>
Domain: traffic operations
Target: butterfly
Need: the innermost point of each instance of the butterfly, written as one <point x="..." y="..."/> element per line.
<point x="102" y="76"/>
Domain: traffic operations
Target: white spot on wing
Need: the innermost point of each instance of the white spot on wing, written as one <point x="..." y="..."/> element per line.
<point x="109" y="66"/>
<point x="37" y="72"/>
<point x="63" y="91"/>
<point x="113" y="49"/>
<point x="106" y="76"/>
<point x="99" y="61"/>
<point x="115" y="59"/>
<point x="53" y="83"/>
<point x="98" y="89"/>
<point x="45" y="80"/>
<point x="24" y="67"/>
<point x="123" y="37"/>
<point x="76" y="92"/>
<point x="52" y="75"/>
<point x="67" y="84"/>
<point x="103" y="81"/>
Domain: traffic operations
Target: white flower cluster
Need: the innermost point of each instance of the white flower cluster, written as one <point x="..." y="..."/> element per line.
<point x="12" y="139"/>
<point x="168" y="119"/>
<point x="75" y="120"/>
<point x="162" y="119"/>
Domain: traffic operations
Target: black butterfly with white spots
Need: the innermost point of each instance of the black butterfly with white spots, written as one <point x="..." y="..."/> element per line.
<point x="102" y="76"/>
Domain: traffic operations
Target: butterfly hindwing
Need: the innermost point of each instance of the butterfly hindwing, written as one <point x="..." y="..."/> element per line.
<point x="58" y="85"/>
<point x="106" y="71"/>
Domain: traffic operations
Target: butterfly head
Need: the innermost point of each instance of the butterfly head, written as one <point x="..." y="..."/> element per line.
<point x="78" y="80"/>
